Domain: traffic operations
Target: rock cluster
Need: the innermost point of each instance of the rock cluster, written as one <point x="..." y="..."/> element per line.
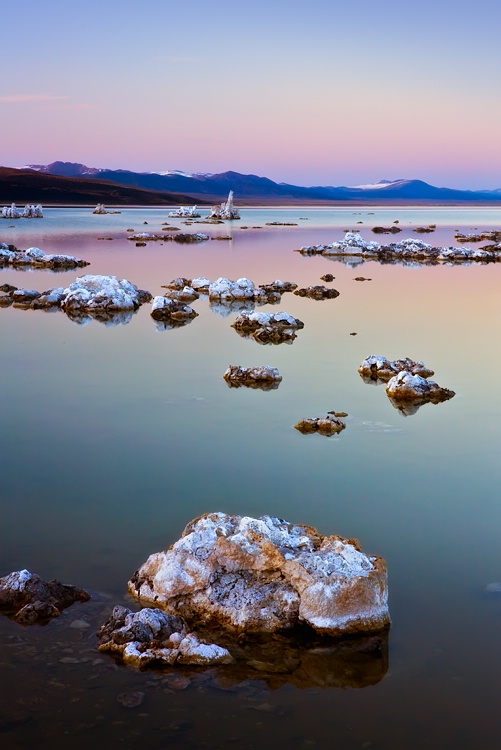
<point x="29" y="212"/>
<point x="265" y="575"/>
<point x="329" y="425"/>
<point x="101" y="209"/>
<point x="379" y="369"/>
<point x="264" y="377"/>
<point x="267" y="328"/>
<point x="27" y="598"/>
<point x="183" y="212"/>
<point x="412" y="249"/>
<point x="407" y="384"/>
<point x="152" y="635"/>
<point x="181" y="237"/>
<point x="317" y="292"/>
<point x="36" y="258"/>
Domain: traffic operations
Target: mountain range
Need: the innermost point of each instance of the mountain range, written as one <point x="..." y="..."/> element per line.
<point x="71" y="182"/>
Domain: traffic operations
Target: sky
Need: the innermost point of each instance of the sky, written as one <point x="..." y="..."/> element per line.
<point x="310" y="93"/>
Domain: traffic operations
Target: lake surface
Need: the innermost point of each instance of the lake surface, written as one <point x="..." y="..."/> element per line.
<point x="114" y="438"/>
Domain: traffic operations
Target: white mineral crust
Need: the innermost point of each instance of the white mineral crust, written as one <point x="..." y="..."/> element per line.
<point x="264" y="575"/>
<point x="89" y="293"/>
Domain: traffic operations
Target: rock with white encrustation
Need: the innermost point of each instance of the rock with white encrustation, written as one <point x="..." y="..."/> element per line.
<point x="263" y="575"/>
<point x="408" y="387"/>
<point x="28" y="599"/>
<point x="152" y="635"/>
<point x="328" y="425"/>
<point x="263" y="327"/>
<point x="166" y="308"/>
<point x="379" y="369"/>
<point x="263" y="377"/>
<point x="103" y="294"/>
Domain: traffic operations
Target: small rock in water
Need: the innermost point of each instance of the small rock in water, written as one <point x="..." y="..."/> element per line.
<point x="132" y="699"/>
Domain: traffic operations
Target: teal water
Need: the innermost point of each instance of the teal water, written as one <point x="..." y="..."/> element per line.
<point x="113" y="438"/>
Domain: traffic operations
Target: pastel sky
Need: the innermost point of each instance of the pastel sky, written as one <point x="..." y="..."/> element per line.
<point x="312" y="93"/>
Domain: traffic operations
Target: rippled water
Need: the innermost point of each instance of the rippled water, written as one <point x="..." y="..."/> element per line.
<point x="113" y="438"/>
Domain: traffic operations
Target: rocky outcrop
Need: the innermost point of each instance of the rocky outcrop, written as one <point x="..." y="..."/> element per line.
<point x="186" y="294"/>
<point x="28" y="599"/>
<point x="386" y="230"/>
<point x="317" y="292"/>
<point x="104" y="294"/>
<point x="354" y="244"/>
<point x="225" y="210"/>
<point x="101" y="209"/>
<point x="406" y="387"/>
<point x="172" y="310"/>
<point x="152" y="635"/>
<point x="184" y="212"/>
<point x="267" y="328"/>
<point x="264" y="377"/>
<point x="265" y="575"/>
<point x="329" y="425"/>
<point x="279" y="287"/>
<point x="36" y="258"/>
<point x="29" y="212"/>
<point x="376" y="369"/>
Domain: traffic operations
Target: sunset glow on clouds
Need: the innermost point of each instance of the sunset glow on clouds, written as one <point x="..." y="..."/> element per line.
<point x="309" y="93"/>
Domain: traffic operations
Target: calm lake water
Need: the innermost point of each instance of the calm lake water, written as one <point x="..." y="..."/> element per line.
<point x="114" y="438"/>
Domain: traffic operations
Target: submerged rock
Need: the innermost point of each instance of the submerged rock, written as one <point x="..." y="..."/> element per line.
<point x="329" y="425"/>
<point x="317" y="292"/>
<point x="27" y="598"/>
<point x="265" y="575"/>
<point x="152" y="635"/>
<point x="264" y="377"/>
<point x="376" y="369"/>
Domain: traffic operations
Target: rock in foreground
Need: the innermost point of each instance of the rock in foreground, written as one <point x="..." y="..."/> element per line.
<point x="90" y="294"/>
<point x="328" y="425"/>
<point x="408" y="387"/>
<point x="265" y="575"/>
<point x="27" y="598"/>
<point x="152" y="635"/>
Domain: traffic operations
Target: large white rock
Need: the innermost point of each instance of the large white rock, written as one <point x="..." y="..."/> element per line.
<point x="264" y="575"/>
<point x="102" y="293"/>
<point x="380" y="369"/>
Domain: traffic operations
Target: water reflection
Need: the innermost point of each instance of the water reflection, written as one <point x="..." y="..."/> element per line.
<point x="108" y="319"/>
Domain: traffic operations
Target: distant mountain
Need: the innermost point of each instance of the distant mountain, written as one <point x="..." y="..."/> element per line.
<point x="27" y="186"/>
<point x="253" y="189"/>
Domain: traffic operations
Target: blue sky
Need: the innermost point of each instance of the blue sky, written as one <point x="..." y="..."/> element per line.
<point x="311" y="93"/>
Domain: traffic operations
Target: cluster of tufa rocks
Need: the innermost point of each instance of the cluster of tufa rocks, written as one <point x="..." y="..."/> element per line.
<point x="328" y="425"/>
<point x="36" y="258"/>
<point x="354" y="244"/>
<point x="407" y="384"/>
<point x="30" y="211"/>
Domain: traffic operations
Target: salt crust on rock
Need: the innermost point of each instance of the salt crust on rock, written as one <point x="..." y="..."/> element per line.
<point x="354" y="244"/>
<point x="105" y="293"/>
<point x="267" y="328"/>
<point x="408" y="387"/>
<point x="265" y="575"/>
<point x="28" y="598"/>
<point x="379" y="369"/>
<point x="165" y="308"/>
<point x="328" y="425"/>
<point x="36" y="258"/>
<point x="263" y="377"/>
<point x="153" y="635"/>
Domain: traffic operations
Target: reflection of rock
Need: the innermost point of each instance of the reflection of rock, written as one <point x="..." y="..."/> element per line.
<point x="406" y="391"/>
<point x="273" y="328"/>
<point x="265" y="575"/>
<point x="110" y="319"/>
<point x="380" y="370"/>
<point x="264" y="377"/>
<point x="317" y="292"/>
<point x="27" y="598"/>
<point x="328" y="425"/>
<point x="167" y="309"/>
<point x="36" y="258"/>
<point x="225" y="210"/>
<point x="152" y="635"/>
